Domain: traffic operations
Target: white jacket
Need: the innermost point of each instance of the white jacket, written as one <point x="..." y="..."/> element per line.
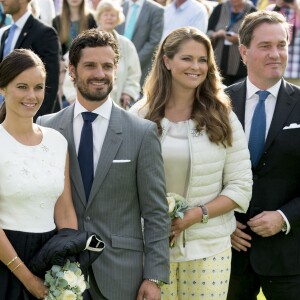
<point x="214" y="170"/>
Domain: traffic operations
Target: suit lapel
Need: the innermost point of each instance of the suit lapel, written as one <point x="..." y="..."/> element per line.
<point x="66" y="129"/>
<point x="111" y="144"/>
<point x="24" y="32"/>
<point x="284" y="106"/>
<point x="3" y="39"/>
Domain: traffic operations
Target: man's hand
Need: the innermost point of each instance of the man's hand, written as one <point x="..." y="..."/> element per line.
<point x="267" y="223"/>
<point x="239" y="239"/>
<point x="149" y="291"/>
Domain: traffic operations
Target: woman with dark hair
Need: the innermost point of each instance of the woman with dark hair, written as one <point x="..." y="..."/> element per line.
<point x="35" y="195"/>
<point x="206" y="161"/>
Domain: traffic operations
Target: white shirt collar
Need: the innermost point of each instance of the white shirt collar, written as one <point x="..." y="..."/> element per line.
<point x="252" y="89"/>
<point x="103" y="110"/>
<point x="21" y="22"/>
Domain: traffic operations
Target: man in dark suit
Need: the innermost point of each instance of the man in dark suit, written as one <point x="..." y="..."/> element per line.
<point x="32" y="34"/>
<point x="127" y="180"/>
<point x="266" y="243"/>
<point x="147" y="31"/>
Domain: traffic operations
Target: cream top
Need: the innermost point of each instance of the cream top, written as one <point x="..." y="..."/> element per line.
<point x="176" y="155"/>
<point x="31" y="180"/>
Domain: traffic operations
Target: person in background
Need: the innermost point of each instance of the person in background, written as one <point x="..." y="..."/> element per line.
<point x="127" y="88"/>
<point x="162" y="2"/>
<point x="144" y="23"/>
<point x="291" y="10"/>
<point x="266" y="241"/>
<point x="180" y="13"/>
<point x="223" y="26"/>
<point x="73" y="19"/>
<point x="58" y="6"/>
<point x="43" y="10"/>
<point x="93" y="4"/>
<point x="4" y="18"/>
<point x="35" y="193"/>
<point x="206" y="160"/>
<point x="117" y="176"/>
<point x="28" y="32"/>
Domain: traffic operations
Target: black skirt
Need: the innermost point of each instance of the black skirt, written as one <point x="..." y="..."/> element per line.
<point x="26" y="245"/>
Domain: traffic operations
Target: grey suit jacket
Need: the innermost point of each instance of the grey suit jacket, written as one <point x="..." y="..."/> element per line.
<point x="147" y="33"/>
<point x="120" y="195"/>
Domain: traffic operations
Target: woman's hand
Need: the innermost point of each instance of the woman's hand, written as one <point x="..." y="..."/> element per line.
<point x="37" y="288"/>
<point x="32" y="283"/>
<point x="191" y="216"/>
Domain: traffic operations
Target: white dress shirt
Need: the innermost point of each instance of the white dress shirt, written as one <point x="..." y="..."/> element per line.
<point x="99" y="126"/>
<point x="270" y="103"/>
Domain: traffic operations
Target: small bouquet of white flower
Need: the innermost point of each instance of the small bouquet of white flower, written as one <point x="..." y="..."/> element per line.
<point x="177" y="207"/>
<point x="65" y="283"/>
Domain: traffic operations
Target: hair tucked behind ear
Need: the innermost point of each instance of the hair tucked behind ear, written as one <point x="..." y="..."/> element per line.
<point x="211" y="105"/>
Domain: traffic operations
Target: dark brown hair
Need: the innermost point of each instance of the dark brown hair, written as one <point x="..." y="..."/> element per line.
<point x="92" y="38"/>
<point x="13" y="65"/>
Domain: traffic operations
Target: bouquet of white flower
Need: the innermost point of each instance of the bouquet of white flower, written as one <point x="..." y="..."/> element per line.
<point x="177" y="207"/>
<point x="65" y="283"/>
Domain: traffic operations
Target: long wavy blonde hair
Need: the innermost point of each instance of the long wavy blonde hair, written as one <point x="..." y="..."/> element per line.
<point x="211" y="106"/>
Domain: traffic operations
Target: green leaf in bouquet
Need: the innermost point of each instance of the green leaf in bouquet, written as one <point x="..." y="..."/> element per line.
<point x="56" y="293"/>
<point x="55" y="269"/>
<point x="62" y="283"/>
<point x="73" y="267"/>
<point x="52" y="288"/>
<point x="67" y="265"/>
<point x="48" y="278"/>
<point x="60" y="274"/>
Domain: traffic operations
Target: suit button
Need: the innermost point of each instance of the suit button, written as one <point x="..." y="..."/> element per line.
<point x="88" y="218"/>
<point x="264" y="164"/>
<point x="255" y="177"/>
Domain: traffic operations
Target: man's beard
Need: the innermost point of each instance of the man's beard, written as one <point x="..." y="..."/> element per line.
<point x="97" y="95"/>
<point x="12" y="9"/>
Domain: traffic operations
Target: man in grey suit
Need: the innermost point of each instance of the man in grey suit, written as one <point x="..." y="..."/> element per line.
<point x="147" y="31"/>
<point x="128" y="180"/>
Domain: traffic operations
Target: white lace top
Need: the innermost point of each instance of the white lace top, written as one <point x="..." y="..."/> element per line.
<point x="31" y="180"/>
